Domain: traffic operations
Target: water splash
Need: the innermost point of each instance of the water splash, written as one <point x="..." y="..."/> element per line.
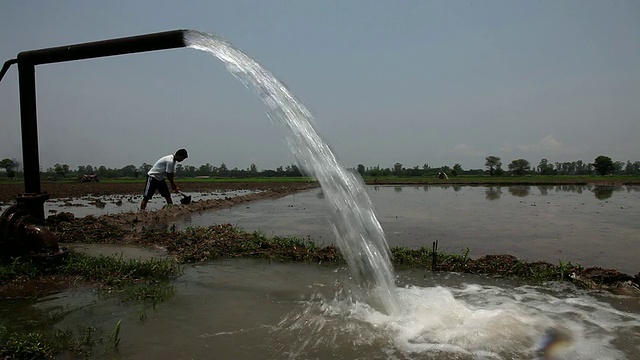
<point x="467" y="322"/>
<point x="358" y="233"/>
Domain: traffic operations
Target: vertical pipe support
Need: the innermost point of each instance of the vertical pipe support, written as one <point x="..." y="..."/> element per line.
<point x="29" y="127"/>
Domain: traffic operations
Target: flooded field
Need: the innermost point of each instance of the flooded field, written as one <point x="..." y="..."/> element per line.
<point x="113" y="204"/>
<point x="239" y="309"/>
<point x="242" y="308"/>
<point x="586" y="224"/>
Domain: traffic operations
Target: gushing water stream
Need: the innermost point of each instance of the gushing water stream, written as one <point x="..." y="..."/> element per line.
<point x="431" y="322"/>
<point x="359" y="234"/>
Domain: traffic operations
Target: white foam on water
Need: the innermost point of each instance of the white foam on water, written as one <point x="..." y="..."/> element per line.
<point x="358" y="233"/>
<point x="470" y="322"/>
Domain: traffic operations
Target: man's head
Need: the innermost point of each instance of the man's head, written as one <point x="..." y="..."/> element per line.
<point x="180" y="155"/>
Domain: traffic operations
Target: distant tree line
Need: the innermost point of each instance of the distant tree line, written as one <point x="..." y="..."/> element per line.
<point x="132" y="171"/>
<point x="602" y="165"/>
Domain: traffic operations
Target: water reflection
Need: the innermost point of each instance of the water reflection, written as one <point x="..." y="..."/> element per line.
<point x="603" y="192"/>
<point x="519" y="191"/>
<point x="570" y="188"/>
<point x="493" y="193"/>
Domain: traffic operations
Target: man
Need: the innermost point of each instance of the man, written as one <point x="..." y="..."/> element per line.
<point x="163" y="168"/>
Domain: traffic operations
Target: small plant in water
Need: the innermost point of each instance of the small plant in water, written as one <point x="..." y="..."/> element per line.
<point x="114" y="338"/>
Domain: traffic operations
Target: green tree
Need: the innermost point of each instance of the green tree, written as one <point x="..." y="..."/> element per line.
<point x="545" y="168"/>
<point x="493" y="163"/>
<point x="7" y="164"/>
<point x="603" y="165"/>
<point x="361" y="169"/>
<point x="222" y="170"/>
<point x="397" y="169"/>
<point x="520" y="167"/>
<point x="144" y="168"/>
<point x="205" y="170"/>
<point x="632" y="168"/>
<point x="618" y="167"/>
<point x="129" y="171"/>
<point x="61" y="169"/>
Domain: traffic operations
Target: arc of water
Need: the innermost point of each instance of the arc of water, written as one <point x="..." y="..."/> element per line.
<point x="359" y="235"/>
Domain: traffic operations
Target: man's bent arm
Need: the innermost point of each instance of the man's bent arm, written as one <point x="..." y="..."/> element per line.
<point x="173" y="185"/>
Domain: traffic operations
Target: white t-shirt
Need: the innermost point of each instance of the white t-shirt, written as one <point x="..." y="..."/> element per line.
<point x="162" y="167"/>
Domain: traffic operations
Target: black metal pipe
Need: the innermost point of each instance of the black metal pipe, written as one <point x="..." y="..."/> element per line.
<point x="6" y="66"/>
<point x="128" y="45"/>
<point x="26" y="68"/>
<point x="29" y="127"/>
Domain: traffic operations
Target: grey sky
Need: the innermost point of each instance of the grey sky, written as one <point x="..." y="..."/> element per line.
<point x="437" y="82"/>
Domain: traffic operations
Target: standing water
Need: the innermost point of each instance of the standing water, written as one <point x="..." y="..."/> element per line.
<point x="359" y="234"/>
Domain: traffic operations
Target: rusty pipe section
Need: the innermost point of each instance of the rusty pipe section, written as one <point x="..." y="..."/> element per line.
<point x="23" y="234"/>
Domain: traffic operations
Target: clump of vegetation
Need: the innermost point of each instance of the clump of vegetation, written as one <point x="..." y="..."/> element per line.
<point x="226" y="241"/>
<point x="136" y="279"/>
<point x="146" y="281"/>
<point x="39" y="345"/>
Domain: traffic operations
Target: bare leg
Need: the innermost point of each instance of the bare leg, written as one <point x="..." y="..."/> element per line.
<point x="143" y="204"/>
<point x="169" y="201"/>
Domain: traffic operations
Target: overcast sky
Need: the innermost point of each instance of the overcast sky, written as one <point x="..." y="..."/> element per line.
<point x="414" y="82"/>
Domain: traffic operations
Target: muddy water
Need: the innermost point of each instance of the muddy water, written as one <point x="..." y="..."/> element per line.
<point x="245" y="309"/>
<point x="114" y="204"/>
<point x="590" y="225"/>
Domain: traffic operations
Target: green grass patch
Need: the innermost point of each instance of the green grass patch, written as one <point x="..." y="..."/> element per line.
<point x="47" y="345"/>
<point x="134" y="279"/>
